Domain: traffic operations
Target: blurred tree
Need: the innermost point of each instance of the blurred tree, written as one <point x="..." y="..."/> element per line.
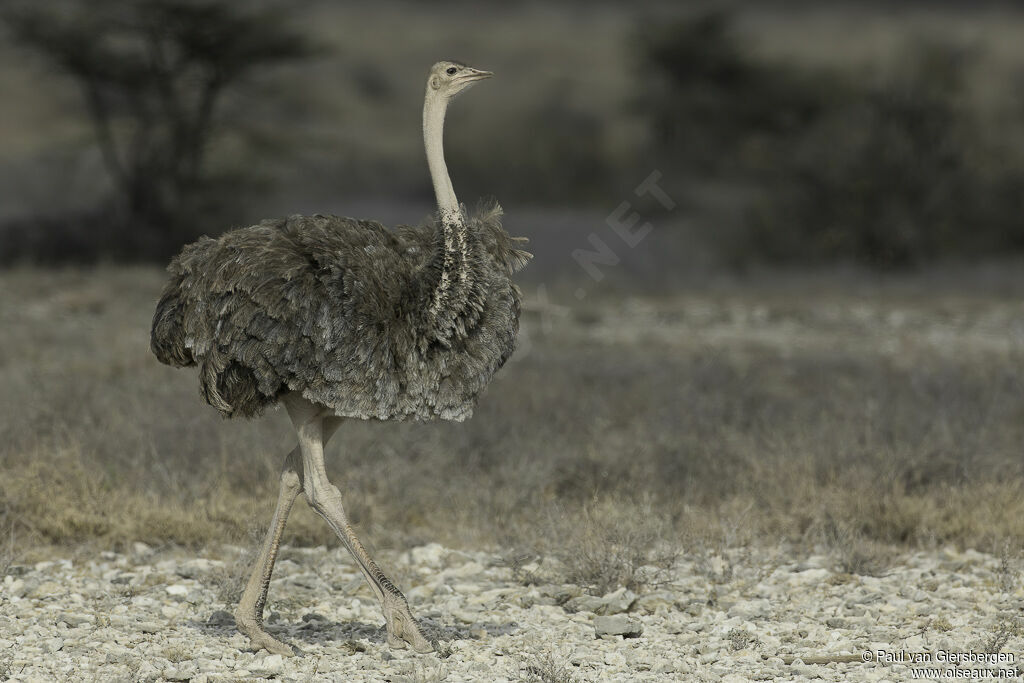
<point x="561" y="155"/>
<point x="152" y="74"/>
<point x="713" y="105"/>
<point x="884" y="178"/>
<point x="889" y="168"/>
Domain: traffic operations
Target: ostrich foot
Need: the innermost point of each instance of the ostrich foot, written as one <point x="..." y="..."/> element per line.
<point x="261" y="640"/>
<point x="403" y="631"/>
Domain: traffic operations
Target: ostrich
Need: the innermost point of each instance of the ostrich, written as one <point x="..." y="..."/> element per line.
<point x="340" y="318"/>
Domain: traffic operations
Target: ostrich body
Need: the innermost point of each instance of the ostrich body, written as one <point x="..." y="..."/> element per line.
<point x="334" y="318"/>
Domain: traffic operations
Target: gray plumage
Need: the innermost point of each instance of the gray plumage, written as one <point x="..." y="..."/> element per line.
<point x="337" y="309"/>
<point x="335" y="317"/>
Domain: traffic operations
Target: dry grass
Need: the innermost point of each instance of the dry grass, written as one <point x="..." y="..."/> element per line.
<point x="624" y="434"/>
<point x="546" y="668"/>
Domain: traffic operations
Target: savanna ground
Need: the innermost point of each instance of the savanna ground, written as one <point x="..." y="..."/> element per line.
<point x="824" y="410"/>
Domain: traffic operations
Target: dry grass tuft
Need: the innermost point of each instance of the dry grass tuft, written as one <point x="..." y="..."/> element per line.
<point x="854" y="552"/>
<point x="606" y="549"/>
<point x="1008" y="571"/>
<point x="1005" y="629"/>
<point x="545" y="669"/>
<point x="658" y="426"/>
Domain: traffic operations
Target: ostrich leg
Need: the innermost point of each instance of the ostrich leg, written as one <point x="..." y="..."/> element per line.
<point x="249" y="613"/>
<point x="325" y="499"/>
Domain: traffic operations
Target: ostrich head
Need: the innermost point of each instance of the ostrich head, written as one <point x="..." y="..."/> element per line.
<point x="447" y="79"/>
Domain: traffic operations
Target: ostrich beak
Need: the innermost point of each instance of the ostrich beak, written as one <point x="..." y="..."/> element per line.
<point x="470" y="74"/>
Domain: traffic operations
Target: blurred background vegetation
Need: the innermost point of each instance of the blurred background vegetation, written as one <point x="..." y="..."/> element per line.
<point x="820" y="341"/>
<point x="788" y="133"/>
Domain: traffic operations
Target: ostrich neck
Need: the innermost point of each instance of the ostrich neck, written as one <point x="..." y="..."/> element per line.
<point x="434" y="108"/>
<point x="449" y="291"/>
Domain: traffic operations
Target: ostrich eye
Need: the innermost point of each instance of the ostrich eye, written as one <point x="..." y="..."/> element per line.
<point x="451" y="71"/>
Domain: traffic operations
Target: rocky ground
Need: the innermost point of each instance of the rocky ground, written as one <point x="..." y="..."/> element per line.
<point x="729" y="616"/>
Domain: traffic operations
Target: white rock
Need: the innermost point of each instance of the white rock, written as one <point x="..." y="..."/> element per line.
<point x="147" y="672"/>
<point x="464" y="570"/>
<point x="617" y="625"/>
<point x="182" y="671"/>
<point x="269" y="665"/>
<point x="431" y="555"/>
<point x="102" y="633"/>
<point x="141" y="549"/>
<point x="207" y="665"/>
<point x="809" y="576"/>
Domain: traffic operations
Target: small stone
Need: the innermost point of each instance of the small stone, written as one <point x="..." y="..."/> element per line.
<point x="147" y="672"/>
<point x="619" y="601"/>
<point x="207" y="665"/>
<point x="562" y="594"/>
<point x="150" y="627"/>
<point x="47" y="589"/>
<point x="750" y="610"/>
<point x="734" y="678"/>
<point x="655" y="602"/>
<point x="464" y="617"/>
<point x="617" y="625"/>
<point x="177" y="590"/>
<point x="680" y="625"/>
<point x="269" y="665"/>
<point x="468" y="569"/>
<point x="74" y="620"/>
<point x="430" y="555"/>
<point x="220" y="618"/>
<point x="313" y="617"/>
<point x="866" y="599"/>
<point x="694" y="607"/>
<point x="308" y="580"/>
<point x="585" y="603"/>
<point x="665" y="666"/>
<point x="141" y="550"/>
<point x="196" y="568"/>
<point x="808" y="576"/>
<point x="613" y="603"/>
<point x="183" y="671"/>
<point x="639" y="661"/>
